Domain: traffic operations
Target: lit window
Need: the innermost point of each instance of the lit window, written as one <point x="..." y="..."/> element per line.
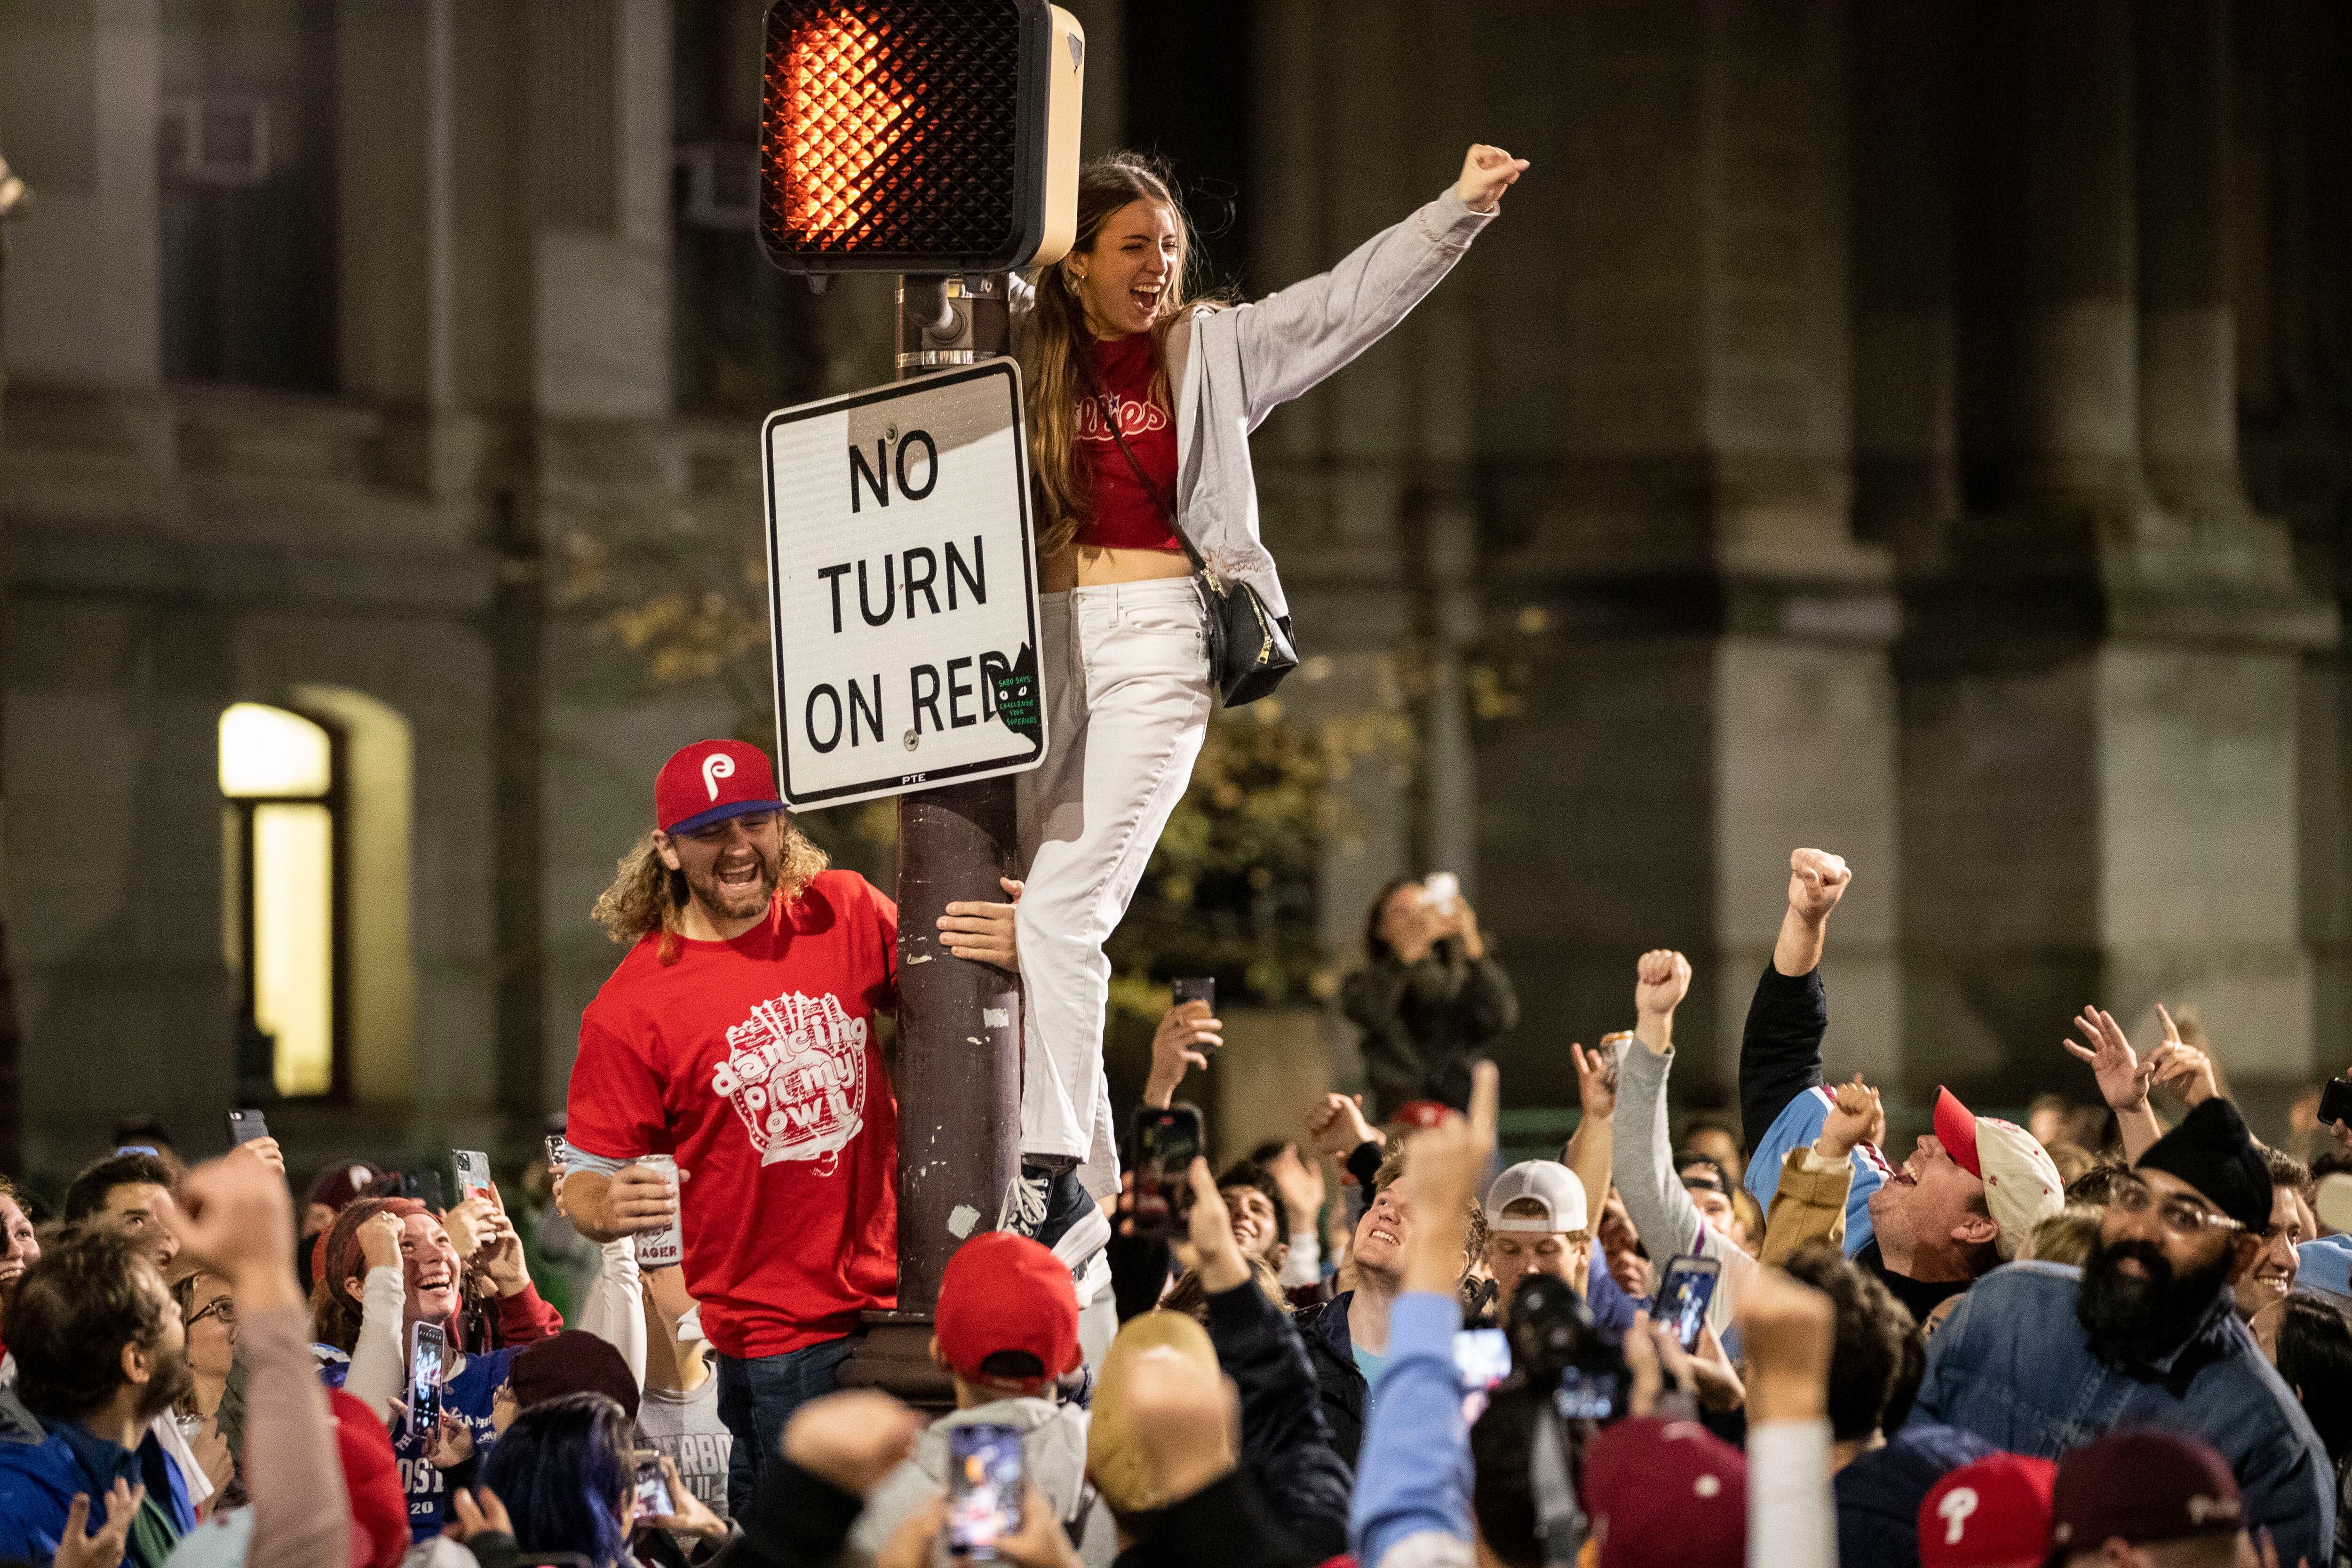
<point x="279" y="906"/>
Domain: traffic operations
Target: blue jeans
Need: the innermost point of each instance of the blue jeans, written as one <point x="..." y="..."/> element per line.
<point x="758" y="1396"/>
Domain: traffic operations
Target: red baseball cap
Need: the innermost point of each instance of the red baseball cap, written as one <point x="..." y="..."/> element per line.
<point x="711" y="781"/>
<point x="1993" y="1513"/>
<point x="1666" y="1494"/>
<point x="1419" y="1114"/>
<point x="372" y="1478"/>
<point x="1956" y="1129"/>
<point x="1006" y="1292"/>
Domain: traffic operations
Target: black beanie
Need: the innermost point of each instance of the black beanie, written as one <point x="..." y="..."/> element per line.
<point x="2212" y="1151"/>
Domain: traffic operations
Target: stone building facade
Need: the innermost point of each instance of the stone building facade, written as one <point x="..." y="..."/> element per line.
<point x="1906" y="427"/>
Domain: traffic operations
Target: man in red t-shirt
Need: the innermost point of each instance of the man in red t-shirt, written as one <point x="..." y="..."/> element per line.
<point x="738" y="1036"/>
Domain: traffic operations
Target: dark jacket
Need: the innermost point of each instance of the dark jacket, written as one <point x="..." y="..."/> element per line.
<point x="2012" y="1365"/>
<point x="1424" y="1021"/>
<point x="1878" y="1495"/>
<point x="1285" y="1440"/>
<point x="1339" y="1381"/>
<point x="1225" y="1524"/>
<point x="42" y="1469"/>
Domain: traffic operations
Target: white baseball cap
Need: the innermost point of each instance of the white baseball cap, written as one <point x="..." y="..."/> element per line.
<point x="1545" y="1181"/>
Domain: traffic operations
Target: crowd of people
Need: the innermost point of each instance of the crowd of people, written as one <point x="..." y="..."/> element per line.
<point x="2095" y="1337"/>
<point x="2119" y="1341"/>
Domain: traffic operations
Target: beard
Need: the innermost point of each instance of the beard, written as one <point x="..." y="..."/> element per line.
<point x="2139" y="1319"/>
<point x="739" y="900"/>
<point x="173" y="1380"/>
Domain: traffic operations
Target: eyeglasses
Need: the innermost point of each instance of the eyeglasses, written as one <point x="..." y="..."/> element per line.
<point x="2180" y="1216"/>
<point x="223" y="1308"/>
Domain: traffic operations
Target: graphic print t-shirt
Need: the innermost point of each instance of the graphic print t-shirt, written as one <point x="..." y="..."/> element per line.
<point x="754" y="1064"/>
<point x="1126" y="514"/>
<point x="468" y="1397"/>
<point x="687" y="1428"/>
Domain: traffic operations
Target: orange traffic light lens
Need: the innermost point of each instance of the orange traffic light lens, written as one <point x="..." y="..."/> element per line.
<point x="891" y="133"/>
<point x="846" y="113"/>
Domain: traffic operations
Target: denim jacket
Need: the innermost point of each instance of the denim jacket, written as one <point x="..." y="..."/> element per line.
<point x="2013" y="1367"/>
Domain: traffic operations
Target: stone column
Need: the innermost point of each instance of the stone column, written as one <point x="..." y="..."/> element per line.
<point x="1664" y="403"/>
<point x="2188" y="349"/>
<point x="2049" y="391"/>
<point x="2099" y="704"/>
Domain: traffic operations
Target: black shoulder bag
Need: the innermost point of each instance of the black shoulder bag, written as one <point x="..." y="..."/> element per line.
<point x="1250" y="650"/>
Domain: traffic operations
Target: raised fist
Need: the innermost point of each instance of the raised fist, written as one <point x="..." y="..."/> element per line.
<point x="1660" y="980"/>
<point x="1817" y="880"/>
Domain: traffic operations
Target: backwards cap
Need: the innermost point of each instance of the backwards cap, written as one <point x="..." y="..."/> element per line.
<point x="1006" y="1292"/>
<point x="2022" y="1183"/>
<point x="711" y="781"/>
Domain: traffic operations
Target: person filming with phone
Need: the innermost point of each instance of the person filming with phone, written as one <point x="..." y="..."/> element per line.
<point x="1431" y="998"/>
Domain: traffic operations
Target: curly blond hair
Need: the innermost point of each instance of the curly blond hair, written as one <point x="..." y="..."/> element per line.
<point x="647" y="896"/>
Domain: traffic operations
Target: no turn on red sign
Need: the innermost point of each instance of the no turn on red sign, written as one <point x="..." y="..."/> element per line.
<point x="902" y="587"/>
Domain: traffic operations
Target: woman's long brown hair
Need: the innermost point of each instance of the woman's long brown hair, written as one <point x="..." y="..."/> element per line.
<point x="1054" y="333"/>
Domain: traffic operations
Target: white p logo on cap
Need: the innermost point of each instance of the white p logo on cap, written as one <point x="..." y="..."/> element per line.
<point x="716" y="766"/>
<point x="1958" y="1504"/>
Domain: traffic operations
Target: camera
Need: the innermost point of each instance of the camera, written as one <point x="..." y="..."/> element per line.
<point x="1559" y="1352"/>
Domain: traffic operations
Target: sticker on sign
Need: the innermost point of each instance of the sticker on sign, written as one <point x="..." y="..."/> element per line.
<point x="902" y="587"/>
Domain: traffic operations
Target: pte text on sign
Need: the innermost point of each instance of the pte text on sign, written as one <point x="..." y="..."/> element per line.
<point x="902" y="587"/>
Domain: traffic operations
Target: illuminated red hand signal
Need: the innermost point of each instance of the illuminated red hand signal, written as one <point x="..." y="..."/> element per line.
<point x="848" y="112"/>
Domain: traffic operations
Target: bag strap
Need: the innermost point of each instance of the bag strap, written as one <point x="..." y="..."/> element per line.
<point x="1159" y="500"/>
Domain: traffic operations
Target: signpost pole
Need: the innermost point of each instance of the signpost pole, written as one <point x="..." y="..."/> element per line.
<point x="959" y="1067"/>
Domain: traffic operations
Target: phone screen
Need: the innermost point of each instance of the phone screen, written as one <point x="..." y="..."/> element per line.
<point x="1198" y="988"/>
<point x="1481" y="1358"/>
<point x="2336" y="1102"/>
<point x="473" y="1169"/>
<point x="424" y="1377"/>
<point x="1166" y="1145"/>
<point x="555" y="1152"/>
<point x="1440" y="889"/>
<point x="1683" y="1296"/>
<point x="244" y="1126"/>
<point x="654" y="1500"/>
<point x="984" y="1484"/>
<point x="1586" y="1396"/>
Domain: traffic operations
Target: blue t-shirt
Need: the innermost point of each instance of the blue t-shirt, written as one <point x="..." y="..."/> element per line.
<point x="1799" y="1124"/>
<point x="1371" y="1365"/>
<point x="468" y="1397"/>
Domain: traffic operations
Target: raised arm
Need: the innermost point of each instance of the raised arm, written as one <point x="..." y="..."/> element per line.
<point x="1295" y="337"/>
<point x="1661" y="1211"/>
<point x="1781" y="1047"/>
<point x="2123" y="1077"/>
<point x="1595" y="1145"/>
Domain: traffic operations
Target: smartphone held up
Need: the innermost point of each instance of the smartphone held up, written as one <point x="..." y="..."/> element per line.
<point x="1164" y="1146"/>
<point x="986" y="1477"/>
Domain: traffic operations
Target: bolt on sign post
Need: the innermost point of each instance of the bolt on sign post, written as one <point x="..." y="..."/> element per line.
<point x="937" y="140"/>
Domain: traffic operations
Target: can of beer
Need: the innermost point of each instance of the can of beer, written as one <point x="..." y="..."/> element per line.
<point x="661" y="1248"/>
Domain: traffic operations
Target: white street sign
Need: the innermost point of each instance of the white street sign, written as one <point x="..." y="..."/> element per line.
<point x="902" y="587"/>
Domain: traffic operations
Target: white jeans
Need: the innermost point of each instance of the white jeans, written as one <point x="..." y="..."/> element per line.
<point x="1127" y="691"/>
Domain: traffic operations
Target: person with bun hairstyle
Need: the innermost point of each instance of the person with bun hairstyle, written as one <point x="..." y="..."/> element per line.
<point x="1140" y="401"/>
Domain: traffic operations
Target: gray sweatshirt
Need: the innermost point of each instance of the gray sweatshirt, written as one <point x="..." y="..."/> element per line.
<point x="1053" y="1452"/>
<point x="1234" y="367"/>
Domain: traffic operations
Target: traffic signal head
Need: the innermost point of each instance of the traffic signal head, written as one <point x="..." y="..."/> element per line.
<point x="919" y="135"/>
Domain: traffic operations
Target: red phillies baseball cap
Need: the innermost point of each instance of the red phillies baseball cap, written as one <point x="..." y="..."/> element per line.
<point x="1006" y="1292"/>
<point x="1956" y="1129"/>
<point x="711" y="781"/>
<point x="1993" y="1513"/>
<point x="1666" y="1494"/>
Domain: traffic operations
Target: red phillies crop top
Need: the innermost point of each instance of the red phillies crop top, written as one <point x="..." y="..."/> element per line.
<point x="1125" y="514"/>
